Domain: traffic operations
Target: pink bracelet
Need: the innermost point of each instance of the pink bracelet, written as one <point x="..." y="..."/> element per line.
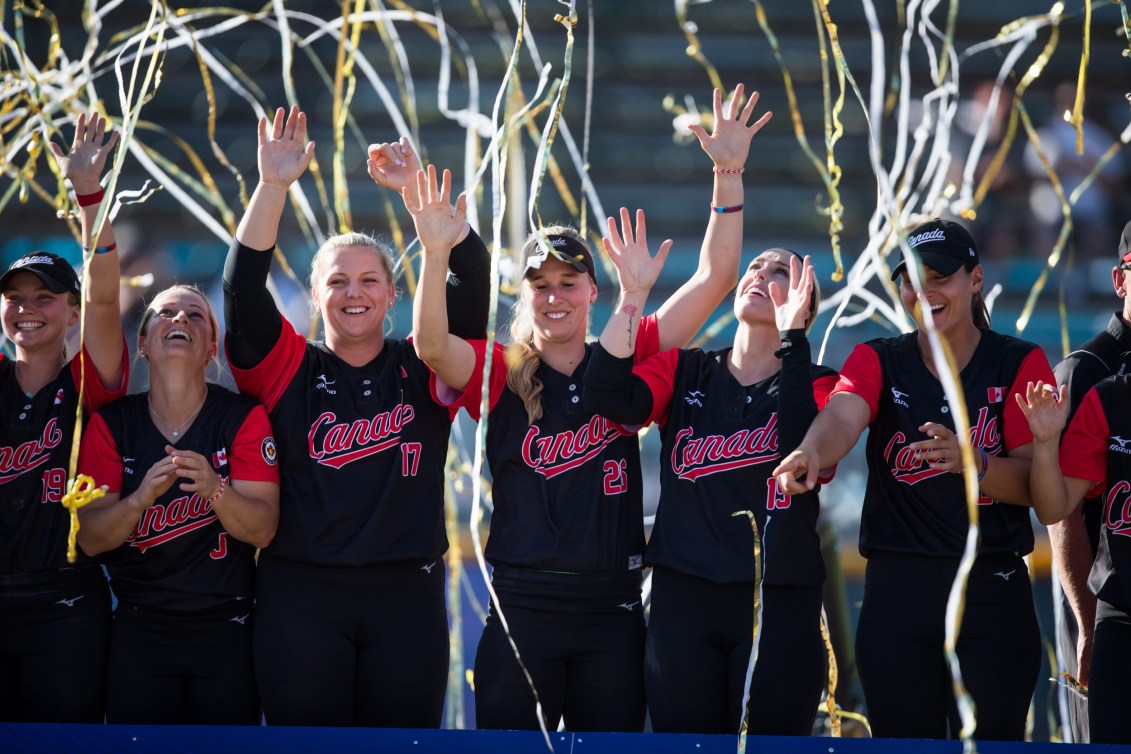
<point x="733" y="171"/>
<point x="219" y="492"/>
<point x="86" y="200"/>
<point x="726" y="210"/>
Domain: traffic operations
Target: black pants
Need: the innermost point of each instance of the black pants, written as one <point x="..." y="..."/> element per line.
<point x="182" y="668"/>
<point x="698" y="651"/>
<point x="584" y="652"/>
<point x="899" y="646"/>
<point x="1109" y="697"/>
<point x="344" y="646"/>
<point x="54" y="628"/>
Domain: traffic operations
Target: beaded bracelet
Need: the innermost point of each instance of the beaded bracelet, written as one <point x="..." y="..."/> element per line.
<point x="726" y="210"/>
<point x="985" y="464"/>
<point x="86" y="200"/>
<point x="219" y="492"/>
<point x="728" y="171"/>
<point x="105" y="249"/>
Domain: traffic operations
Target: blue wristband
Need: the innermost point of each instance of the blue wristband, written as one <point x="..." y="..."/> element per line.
<point x="985" y="464"/>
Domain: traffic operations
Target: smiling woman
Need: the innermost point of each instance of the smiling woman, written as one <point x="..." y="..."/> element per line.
<point x="193" y="490"/>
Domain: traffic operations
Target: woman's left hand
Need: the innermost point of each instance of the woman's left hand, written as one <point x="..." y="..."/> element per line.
<point x="202" y="478"/>
<point x="84" y="163"/>
<point x="393" y="166"/>
<point x="792" y="307"/>
<point x="637" y="269"/>
<point x="941" y="450"/>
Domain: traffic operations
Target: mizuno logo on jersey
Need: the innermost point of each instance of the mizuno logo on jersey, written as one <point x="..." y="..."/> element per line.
<point x="897" y="397"/>
<point x="556" y="454"/>
<point x="1119" y="445"/>
<point x="324" y="384"/>
<point x="693" y="396"/>
<point x="31" y="454"/>
<point x="693" y="457"/>
<point x="337" y="444"/>
<point x="161" y="523"/>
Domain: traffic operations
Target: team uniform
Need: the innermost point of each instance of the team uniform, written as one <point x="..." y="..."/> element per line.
<point x="1107" y="353"/>
<point x="351" y="622"/>
<point x="913" y="530"/>
<point x="567" y="550"/>
<point x="54" y="617"/>
<point x="1093" y="448"/>
<point x="720" y="441"/>
<point x="180" y="649"/>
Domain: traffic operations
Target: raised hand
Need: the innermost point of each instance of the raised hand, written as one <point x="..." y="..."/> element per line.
<point x="628" y="250"/>
<point x="393" y="165"/>
<point x="284" y="153"/>
<point x="84" y="163"/>
<point x="729" y="143"/>
<point x="439" y="224"/>
<point x="793" y="307"/>
<point x="1046" y="409"/>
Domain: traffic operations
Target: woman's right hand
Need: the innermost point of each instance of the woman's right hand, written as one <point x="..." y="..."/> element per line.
<point x="797" y="473"/>
<point x="438" y="222"/>
<point x="1046" y="408"/>
<point x="82" y="166"/>
<point x="284" y="154"/>
<point x="155" y="483"/>
<point x="792" y="306"/>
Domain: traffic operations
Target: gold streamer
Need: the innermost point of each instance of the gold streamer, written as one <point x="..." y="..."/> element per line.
<point x="754" y="633"/>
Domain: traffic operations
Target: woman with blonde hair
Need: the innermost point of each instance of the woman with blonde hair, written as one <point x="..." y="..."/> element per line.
<point x="57" y="614"/>
<point x="567" y="536"/>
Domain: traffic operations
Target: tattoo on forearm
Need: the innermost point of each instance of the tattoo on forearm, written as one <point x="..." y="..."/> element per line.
<point x="630" y="310"/>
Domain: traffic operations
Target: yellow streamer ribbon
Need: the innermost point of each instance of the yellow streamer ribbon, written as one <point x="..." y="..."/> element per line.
<point x="82" y="491"/>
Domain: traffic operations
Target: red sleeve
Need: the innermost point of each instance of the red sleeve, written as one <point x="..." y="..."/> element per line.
<point x="254" y="456"/>
<point x="1034" y="367"/>
<point x="473" y="393"/>
<point x="1083" y="449"/>
<point x="822" y="388"/>
<point x="861" y="376"/>
<point x="647" y="338"/>
<point x="95" y="395"/>
<point x="266" y="381"/>
<point x="658" y="373"/>
<point x="99" y="457"/>
<point x="447" y="396"/>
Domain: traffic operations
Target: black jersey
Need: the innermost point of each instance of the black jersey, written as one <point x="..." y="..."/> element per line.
<point x="361" y="449"/>
<point x="908" y="506"/>
<point x="179" y="557"/>
<point x="35" y="451"/>
<point x="720" y="443"/>
<point x="1105" y="354"/>
<point x="567" y="488"/>
<point x="1095" y="448"/>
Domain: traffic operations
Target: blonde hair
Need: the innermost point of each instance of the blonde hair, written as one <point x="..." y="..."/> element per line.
<point x="330" y="246"/>
<point x="523" y="357"/>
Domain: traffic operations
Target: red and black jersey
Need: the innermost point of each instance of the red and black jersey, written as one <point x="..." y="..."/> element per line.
<point x="35" y="452"/>
<point x="179" y="556"/>
<point x="910" y="507"/>
<point x="361" y="452"/>
<point x="566" y="489"/>
<point x="1094" y="448"/>
<point x="720" y="443"/>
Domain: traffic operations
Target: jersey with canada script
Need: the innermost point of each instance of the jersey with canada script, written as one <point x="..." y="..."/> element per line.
<point x="567" y="489"/>
<point x="1094" y="448"/>
<point x="908" y="506"/>
<point x="719" y="445"/>
<point x="361" y="452"/>
<point x="35" y="452"/>
<point x="179" y="557"/>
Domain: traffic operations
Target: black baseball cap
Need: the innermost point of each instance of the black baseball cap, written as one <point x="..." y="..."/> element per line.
<point x="942" y="245"/>
<point x="564" y="249"/>
<point x="53" y="271"/>
<point x="1125" y="245"/>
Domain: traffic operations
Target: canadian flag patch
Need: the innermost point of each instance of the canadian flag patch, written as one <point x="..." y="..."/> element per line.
<point x="219" y="458"/>
<point x="995" y="394"/>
